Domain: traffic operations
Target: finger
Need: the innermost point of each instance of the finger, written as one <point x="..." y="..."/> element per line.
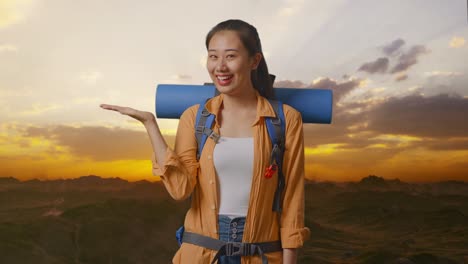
<point x="110" y="107"/>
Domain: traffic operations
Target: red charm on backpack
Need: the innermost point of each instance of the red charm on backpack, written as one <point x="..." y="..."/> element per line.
<point x="271" y="170"/>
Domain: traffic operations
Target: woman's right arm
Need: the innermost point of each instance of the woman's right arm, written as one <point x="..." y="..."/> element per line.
<point x="177" y="168"/>
<point x="157" y="140"/>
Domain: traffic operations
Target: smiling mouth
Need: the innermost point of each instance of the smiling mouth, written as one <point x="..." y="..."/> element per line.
<point x="224" y="77"/>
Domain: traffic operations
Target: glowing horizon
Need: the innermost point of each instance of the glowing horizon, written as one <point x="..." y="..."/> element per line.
<point x="400" y="87"/>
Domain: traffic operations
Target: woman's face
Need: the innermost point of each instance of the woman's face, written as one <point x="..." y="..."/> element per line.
<point x="229" y="63"/>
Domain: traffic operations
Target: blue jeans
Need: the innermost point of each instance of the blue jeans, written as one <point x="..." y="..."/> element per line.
<point x="230" y="230"/>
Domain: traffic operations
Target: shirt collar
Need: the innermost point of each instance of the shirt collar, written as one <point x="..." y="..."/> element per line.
<point x="264" y="107"/>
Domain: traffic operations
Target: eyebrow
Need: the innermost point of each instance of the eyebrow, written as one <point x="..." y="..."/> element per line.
<point x="224" y="50"/>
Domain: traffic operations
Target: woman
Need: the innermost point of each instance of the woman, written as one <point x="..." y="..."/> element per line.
<point x="230" y="197"/>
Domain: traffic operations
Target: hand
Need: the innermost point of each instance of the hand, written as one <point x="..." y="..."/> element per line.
<point x="141" y="116"/>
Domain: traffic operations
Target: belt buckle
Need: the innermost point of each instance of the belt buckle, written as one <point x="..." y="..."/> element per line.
<point x="233" y="249"/>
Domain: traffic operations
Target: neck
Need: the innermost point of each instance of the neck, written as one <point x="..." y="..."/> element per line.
<point x="246" y="100"/>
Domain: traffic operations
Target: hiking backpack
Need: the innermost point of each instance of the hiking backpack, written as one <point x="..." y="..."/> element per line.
<point x="276" y="127"/>
<point x="276" y="131"/>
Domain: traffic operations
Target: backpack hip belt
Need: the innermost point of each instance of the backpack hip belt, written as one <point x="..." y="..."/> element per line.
<point x="224" y="248"/>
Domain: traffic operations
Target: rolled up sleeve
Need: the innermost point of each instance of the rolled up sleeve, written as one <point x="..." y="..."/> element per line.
<point x="171" y="161"/>
<point x="294" y="238"/>
<point x="179" y="172"/>
<point x="293" y="231"/>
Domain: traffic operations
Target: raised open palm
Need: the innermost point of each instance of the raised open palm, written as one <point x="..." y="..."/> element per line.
<point x="141" y="116"/>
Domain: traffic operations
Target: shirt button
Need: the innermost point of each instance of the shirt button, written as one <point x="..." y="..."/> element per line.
<point x="234" y="230"/>
<point x="211" y="182"/>
<point x="215" y="231"/>
<point x="213" y="207"/>
<point x="234" y="236"/>
<point x="234" y="224"/>
<point x="209" y="157"/>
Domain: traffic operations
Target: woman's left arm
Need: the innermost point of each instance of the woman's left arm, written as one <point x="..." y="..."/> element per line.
<point x="289" y="256"/>
<point x="293" y="231"/>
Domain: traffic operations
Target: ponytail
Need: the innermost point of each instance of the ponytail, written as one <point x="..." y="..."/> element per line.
<point x="262" y="80"/>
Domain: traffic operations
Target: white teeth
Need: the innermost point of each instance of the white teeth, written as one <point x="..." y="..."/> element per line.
<point x="223" y="78"/>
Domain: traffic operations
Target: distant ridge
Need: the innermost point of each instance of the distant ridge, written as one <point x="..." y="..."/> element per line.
<point x="85" y="179"/>
<point x="368" y="183"/>
<point x="8" y="179"/>
<point x="82" y="183"/>
<point x="372" y="180"/>
<point x="379" y="184"/>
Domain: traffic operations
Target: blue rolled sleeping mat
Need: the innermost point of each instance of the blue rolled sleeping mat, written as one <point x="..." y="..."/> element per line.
<point x="315" y="105"/>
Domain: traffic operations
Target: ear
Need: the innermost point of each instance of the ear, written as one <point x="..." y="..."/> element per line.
<point x="256" y="60"/>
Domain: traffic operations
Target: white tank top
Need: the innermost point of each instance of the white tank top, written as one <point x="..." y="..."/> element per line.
<point x="233" y="160"/>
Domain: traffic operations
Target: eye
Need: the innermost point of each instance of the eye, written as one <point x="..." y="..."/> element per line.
<point x="230" y="56"/>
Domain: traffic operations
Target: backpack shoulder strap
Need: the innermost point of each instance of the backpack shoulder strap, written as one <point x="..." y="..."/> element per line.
<point x="276" y="127"/>
<point x="203" y="125"/>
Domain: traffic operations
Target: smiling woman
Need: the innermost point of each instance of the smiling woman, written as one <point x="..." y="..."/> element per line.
<point x="231" y="219"/>
<point x="234" y="52"/>
<point x="229" y="64"/>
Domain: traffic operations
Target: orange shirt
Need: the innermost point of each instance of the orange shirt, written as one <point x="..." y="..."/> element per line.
<point x="183" y="176"/>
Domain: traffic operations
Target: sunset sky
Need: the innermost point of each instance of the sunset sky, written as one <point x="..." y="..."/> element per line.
<point x="398" y="70"/>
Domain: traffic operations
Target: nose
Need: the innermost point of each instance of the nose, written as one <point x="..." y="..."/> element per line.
<point x="221" y="65"/>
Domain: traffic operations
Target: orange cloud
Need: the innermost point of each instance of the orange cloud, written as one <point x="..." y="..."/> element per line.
<point x="67" y="152"/>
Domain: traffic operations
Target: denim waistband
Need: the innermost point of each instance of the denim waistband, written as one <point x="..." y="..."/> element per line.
<point x="230" y="230"/>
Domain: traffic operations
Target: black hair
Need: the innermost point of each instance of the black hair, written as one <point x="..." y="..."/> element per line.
<point x="260" y="77"/>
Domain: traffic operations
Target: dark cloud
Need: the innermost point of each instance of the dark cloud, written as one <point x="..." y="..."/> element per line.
<point x="392" y="48"/>
<point x="440" y="121"/>
<point x="442" y="115"/>
<point x="446" y="144"/>
<point x="448" y="82"/>
<point x="380" y="65"/>
<point x="290" y="84"/>
<point x="409" y="58"/>
<point x="404" y="59"/>
<point x="336" y="132"/>
<point x="355" y="142"/>
<point x="436" y="119"/>
<point x="401" y="77"/>
<point x="340" y="89"/>
<point x="98" y="143"/>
